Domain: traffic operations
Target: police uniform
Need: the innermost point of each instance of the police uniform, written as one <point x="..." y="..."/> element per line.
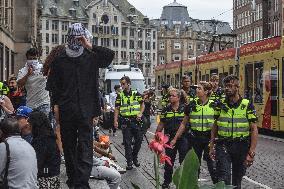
<point x="172" y="119"/>
<point x="4" y="90"/>
<point x="217" y="95"/>
<point x="129" y="107"/>
<point x="201" y="121"/>
<point x="232" y="146"/>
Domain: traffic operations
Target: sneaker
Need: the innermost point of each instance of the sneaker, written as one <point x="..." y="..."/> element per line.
<point x="129" y="167"/>
<point x="62" y="159"/>
<point x="136" y="163"/>
<point x="121" y="170"/>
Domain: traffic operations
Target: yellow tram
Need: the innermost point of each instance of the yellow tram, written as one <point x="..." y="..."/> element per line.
<point x="260" y="67"/>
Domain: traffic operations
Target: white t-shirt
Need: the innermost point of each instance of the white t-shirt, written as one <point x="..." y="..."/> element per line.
<point x="112" y="98"/>
<point x="35" y="87"/>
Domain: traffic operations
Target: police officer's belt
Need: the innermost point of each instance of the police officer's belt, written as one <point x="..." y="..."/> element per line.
<point x="229" y="139"/>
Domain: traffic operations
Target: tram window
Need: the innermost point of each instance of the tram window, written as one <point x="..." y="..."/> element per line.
<point x="203" y="78"/>
<point x="231" y="70"/>
<point x="206" y="77"/>
<point x="248" y="81"/>
<point x="258" y="82"/>
<point x="213" y="71"/>
<point x="176" y="79"/>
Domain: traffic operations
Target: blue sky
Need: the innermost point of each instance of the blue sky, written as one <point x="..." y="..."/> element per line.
<point x="200" y="9"/>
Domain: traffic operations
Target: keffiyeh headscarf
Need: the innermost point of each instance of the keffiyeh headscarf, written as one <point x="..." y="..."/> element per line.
<point x="74" y="46"/>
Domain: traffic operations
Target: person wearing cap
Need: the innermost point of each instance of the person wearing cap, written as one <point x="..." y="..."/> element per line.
<point x="73" y="84"/>
<point x="32" y="78"/>
<point x="22" y="115"/>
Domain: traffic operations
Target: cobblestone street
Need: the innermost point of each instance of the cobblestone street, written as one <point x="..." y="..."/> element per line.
<point x="267" y="172"/>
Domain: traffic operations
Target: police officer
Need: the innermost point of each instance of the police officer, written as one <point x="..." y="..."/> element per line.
<point x="188" y="91"/>
<point x="129" y="106"/>
<point x="171" y="118"/>
<point x="200" y="115"/>
<point x="217" y="91"/>
<point x="4" y="89"/>
<point x="236" y="130"/>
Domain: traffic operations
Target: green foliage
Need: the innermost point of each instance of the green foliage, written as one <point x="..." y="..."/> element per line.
<point x="186" y="176"/>
<point x="156" y="169"/>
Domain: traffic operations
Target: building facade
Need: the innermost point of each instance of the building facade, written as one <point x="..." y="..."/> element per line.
<point x="181" y="37"/>
<point x="18" y="32"/>
<point x="115" y="24"/>
<point x="254" y="20"/>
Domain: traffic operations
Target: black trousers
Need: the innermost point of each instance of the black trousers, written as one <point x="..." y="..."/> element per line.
<point x="131" y="129"/>
<point x="182" y="148"/>
<point x="146" y="123"/>
<point x="230" y="157"/>
<point x="200" y="146"/>
<point x="76" y="135"/>
<point x="111" y="127"/>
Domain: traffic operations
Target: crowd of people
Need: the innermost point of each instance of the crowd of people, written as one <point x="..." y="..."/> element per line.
<point x="49" y="113"/>
<point x="216" y="122"/>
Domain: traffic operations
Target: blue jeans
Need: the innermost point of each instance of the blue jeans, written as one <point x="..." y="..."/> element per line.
<point x="45" y="108"/>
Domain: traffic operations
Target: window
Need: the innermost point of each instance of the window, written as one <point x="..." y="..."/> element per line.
<point x="115" y="42"/>
<point x="190" y="46"/>
<point x="131" y="44"/>
<point x="198" y="47"/>
<point x="176" y="57"/>
<point x="140" y="46"/>
<point x="55" y="38"/>
<point x="154" y="35"/>
<point x="54" y="24"/>
<point x="47" y="50"/>
<point x="123" y="55"/>
<point x="162" y="45"/>
<point x="140" y="31"/>
<point x="123" y="43"/>
<point x="65" y="26"/>
<point x="105" y="42"/>
<point x="177" y="45"/>
<point x="47" y="38"/>
<point x="154" y="45"/>
<point x="115" y="19"/>
<point x="132" y="32"/>
<point x="47" y="25"/>
<point x="154" y="56"/>
<point x="162" y="59"/>
<point x="95" y="40"/>
<point x="94" y="16"/>
<point x="147" y="45"/>
<point x="124" y="29"/>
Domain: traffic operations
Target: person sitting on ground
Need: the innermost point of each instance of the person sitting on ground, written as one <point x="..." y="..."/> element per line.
<point x="22" y="115"/>
<point x="47" y="152"/>
<point x="6" y="107"/>
<point x="102" y="166"/>
<point x="22" y="167"/>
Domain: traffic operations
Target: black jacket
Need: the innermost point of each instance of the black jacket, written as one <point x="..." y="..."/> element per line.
<point x="73" y="82"/>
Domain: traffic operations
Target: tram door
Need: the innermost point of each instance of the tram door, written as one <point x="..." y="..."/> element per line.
<point x="274" y="97"/>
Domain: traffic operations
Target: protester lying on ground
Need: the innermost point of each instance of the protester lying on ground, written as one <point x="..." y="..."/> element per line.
<point x="22" y="115"/>
<point x="47" y="152"/>
<point x="22" y="167"/>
